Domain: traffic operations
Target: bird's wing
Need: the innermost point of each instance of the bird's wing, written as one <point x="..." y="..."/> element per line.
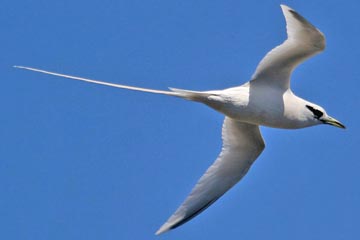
<point x="242" y="144"/>
<point x="303" y="41"/>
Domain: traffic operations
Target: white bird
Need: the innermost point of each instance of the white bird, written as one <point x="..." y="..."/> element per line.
<point x="265" y="100"/>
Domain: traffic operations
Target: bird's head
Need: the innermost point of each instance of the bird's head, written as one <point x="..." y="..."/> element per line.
<point x="319" y="116"/>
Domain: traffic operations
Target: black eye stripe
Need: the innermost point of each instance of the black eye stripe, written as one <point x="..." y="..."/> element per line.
<point x="317" y="113"/>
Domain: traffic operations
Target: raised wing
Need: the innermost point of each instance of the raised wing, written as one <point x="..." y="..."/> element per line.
<point x="304" y="40"/>
<point x="242" y="144"/>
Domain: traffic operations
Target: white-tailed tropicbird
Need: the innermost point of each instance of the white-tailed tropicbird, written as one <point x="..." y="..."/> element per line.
<point x="265" y="100"/>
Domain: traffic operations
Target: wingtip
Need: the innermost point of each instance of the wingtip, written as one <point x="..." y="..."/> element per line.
<point x="164" y="228"/>
<point x="286" y="8"/>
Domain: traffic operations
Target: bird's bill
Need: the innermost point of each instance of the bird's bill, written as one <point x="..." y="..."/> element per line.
<point x="333" y="122"/>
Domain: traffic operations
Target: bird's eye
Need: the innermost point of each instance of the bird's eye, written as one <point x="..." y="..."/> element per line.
<point x="317" y="113"/>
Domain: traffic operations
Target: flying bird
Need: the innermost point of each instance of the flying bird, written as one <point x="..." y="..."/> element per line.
<point x="265" y="100"/>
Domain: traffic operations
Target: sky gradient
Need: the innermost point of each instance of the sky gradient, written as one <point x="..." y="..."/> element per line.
<point x="83" y="161"/>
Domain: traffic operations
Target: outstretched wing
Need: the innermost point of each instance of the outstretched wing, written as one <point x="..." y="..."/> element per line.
<point x="242" y="144"/>
<point x="304" y="40"/>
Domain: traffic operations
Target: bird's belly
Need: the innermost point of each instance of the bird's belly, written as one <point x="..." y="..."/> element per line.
<point x="265" y="118"/>
<point x="260" y="106"/>
<point x="270" y="114"/>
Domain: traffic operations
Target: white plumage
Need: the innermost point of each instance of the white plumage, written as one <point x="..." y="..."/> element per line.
<point x="265" y="100"/>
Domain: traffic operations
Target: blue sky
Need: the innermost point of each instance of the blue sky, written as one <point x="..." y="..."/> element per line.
<point x="82" y="161"/>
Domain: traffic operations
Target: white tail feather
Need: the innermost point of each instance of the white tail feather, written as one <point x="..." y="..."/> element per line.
<point x="192" y="95"/>
<point x="170" y="93"/>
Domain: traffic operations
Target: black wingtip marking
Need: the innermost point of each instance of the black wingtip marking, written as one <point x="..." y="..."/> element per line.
<point x="300" y="18"/>
<point x="188" y="218"/>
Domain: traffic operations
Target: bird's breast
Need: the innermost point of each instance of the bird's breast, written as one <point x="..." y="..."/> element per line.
<point x="261" y="107"/>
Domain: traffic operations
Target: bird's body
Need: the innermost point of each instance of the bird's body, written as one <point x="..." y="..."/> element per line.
<point x="256" y="104"/>
<point x="265" y="100"/>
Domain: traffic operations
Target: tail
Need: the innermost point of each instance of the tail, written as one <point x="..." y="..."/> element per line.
<point x="189" y="95"/>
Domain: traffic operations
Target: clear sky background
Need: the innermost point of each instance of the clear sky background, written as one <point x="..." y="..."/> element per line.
<point x="82" y="161"/>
